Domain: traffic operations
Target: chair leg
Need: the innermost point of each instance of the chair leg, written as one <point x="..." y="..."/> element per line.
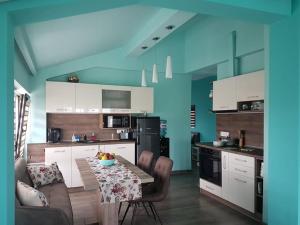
<point x="143" y="203"/>
<point x="125" y="213"/>
<point x="152" y="210"/>
<point x="120" y="206"/>
<point x="155" y="211"/>
<point x="133" y="213"/>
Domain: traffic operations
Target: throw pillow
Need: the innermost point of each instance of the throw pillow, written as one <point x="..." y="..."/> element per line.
<point x="41" y="174"/>
<point x="29" y="196"/>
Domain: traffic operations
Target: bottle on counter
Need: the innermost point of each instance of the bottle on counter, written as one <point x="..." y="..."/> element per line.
<point x="73" y="138"/>
<point x="242" y="138"/>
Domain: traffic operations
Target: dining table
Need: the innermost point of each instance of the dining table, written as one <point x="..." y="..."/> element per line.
<point x="120" y="182"/>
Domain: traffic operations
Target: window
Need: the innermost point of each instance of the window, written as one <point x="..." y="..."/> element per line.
<point x="21" y="115"/>
<point x="193" y="116"/>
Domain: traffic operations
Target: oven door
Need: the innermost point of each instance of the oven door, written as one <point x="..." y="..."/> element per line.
<point x="210" y="166"/>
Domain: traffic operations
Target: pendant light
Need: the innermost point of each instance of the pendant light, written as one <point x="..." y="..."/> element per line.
<point x="144" y="81"/>
<point x="154" y="74"/>
<point x="169" y="73"/>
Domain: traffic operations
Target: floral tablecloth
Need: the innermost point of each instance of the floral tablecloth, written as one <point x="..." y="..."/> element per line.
<point x="117" y="183"/>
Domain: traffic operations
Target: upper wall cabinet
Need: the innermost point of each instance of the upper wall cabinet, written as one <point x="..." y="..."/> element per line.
<point x="250" y="87"/>
<point x="60" y="97"/>
<point x="224" y="95"/>
<point x="142" y="100"/>
<point x="88" y="98"/>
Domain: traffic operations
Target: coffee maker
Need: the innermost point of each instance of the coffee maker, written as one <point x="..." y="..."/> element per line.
<point x="54" y="135"/>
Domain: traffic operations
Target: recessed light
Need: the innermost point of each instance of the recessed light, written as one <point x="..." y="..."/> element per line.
<point x="170" y="27"/>
<point x="155" y="38"/>
<point x="144" y="47"/>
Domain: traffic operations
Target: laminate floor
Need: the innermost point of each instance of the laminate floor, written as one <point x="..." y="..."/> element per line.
<point x="183" y="206"/>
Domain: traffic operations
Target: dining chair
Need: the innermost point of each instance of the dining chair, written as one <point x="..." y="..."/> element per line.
<point x="155" y="192"/>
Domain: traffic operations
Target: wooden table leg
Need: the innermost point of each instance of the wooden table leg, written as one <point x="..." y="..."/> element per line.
<point x="108" y="212"/>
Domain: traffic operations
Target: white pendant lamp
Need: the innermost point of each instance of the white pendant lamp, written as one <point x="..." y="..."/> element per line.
<point x="169" y="73"/>
<point x="154" y="74"/>
<point x="144" y="81"/>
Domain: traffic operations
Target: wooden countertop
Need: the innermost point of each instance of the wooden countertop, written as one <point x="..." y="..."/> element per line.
<point x="255" y="152"/>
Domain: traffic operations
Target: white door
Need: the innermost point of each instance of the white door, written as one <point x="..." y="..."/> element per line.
<point x="127" y="151"/>
<point x="250" y="87"/>
<point x="60" y="97"/>
<point x="79" y="152"/>
<point x="88" y="98"/>
<point x="62" y="156"/>
<point x="224" y="94"/>
<point x="142" y="100"/>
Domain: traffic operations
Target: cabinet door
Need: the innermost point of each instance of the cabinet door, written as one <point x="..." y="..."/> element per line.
<point x="88" y="98"/>
<point x="225" y="176"/>
<point x="142" y="100"/>
<point x="60" y="97"/>
<point x="62" y="156"/>
<point x="127" y="151"/>
<point x="77" y="153"/>
<point x="224" y="94"/>
<point x="241" y="191"/>
<point x="250" y="87"/>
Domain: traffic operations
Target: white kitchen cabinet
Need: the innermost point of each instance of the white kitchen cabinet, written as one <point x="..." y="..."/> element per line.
<point x="142" y="100"/>
<point x="77" y="153"/>
<point x="250" y="87"/>
<point x="224" y="94"/>
<point x="88" y="98"/>
<point x="210" y="187"/>
<point x="60" y="97"/>
<point x="225" y="176"/>
<point x="127" y="151"/>
<point x="62" y="156"/>
<point x="241" y="160"/>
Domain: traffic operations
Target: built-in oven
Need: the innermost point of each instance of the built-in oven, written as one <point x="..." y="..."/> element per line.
<point x="116" y="121"/>
<point x="210" y="166"/>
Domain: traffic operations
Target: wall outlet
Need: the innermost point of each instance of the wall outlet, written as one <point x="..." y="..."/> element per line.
<point x="224" y="134"/>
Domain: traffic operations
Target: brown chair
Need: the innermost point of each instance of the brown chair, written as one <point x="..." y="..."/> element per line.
<point x="155" y="192"/>
<point x="145" y="161"/>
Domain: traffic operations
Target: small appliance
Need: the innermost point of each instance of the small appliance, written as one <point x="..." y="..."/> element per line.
<point x="54" y="135"/>
<point x="116" y="121"/>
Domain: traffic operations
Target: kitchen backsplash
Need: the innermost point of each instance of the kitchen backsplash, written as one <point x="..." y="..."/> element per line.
<point x="252" y="123"/>
<point x="80" y="124"/>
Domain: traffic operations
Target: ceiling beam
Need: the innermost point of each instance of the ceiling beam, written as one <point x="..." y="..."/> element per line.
<point x="156" y="27"/>
<point x="25" y="48"/>
<point x="262" y="11"/>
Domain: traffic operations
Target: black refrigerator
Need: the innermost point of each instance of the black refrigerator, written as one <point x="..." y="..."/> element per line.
<point x="147" y="135"/>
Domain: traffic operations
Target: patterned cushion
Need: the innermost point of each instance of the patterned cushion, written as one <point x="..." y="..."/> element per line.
<point x="29" y="196"/>
<point x="41" y="174"/>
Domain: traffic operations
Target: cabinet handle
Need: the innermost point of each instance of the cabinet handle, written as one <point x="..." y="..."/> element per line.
<point x="239" y="170"/>
<point x="223" y="107"/>
<point x="89" y="150"/>
<point x="224" y="160"/>
<point x="121" y="147"/>
<point x="241" y="160"/>
<point x="241" y="181"/>
<point x="254" y="96"/>
<point x="209" y="188"/>
<point x="59" y="151"/>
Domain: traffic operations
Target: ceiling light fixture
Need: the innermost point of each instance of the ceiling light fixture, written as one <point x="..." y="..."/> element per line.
<point x="144" y="81"/>
<point x="169" y="72"/>
<point x="154" y="74"/>
<point x="144" y="47"/>
<point x="155" y="38"/>
<point x="170" y="27"/>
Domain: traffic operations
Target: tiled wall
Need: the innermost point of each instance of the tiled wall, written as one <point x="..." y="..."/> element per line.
<point x="79" y="124"/>
<point x="252" y="123"/>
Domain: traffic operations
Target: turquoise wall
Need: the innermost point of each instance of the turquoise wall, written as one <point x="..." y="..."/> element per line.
<point x="205" y="119"/>
<point x="7" y="187"/>
<point x="21" y="73"/>
<point x="176" y="112"/>
<point x="283" y="121"/>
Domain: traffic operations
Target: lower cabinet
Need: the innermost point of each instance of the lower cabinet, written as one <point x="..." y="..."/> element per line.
<point x="237" y="181"/>
<point x="127" y="151"/>
<point x="62" y="156"/>
<point x="65" y="158"/>
<point x="77" y="153"/>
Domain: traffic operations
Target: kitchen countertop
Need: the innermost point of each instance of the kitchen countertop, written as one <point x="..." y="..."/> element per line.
<point x="255" y="152"/>
<point x="69" y="143"/>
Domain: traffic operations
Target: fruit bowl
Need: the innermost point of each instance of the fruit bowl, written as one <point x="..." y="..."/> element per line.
<point x="107" y="162"/>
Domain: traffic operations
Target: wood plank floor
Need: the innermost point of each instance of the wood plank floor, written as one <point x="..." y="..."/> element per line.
<point x="184" y="206"/>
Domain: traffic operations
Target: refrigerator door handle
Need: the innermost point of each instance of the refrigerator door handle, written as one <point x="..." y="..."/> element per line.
<point x="138" y="139"/>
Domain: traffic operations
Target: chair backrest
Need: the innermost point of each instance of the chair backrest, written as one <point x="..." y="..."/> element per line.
<point x="145" y="161"/>
<point x="162" y="173"/>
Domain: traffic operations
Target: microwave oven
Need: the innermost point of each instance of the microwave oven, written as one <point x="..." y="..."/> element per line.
<point x="116" y="121"/>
